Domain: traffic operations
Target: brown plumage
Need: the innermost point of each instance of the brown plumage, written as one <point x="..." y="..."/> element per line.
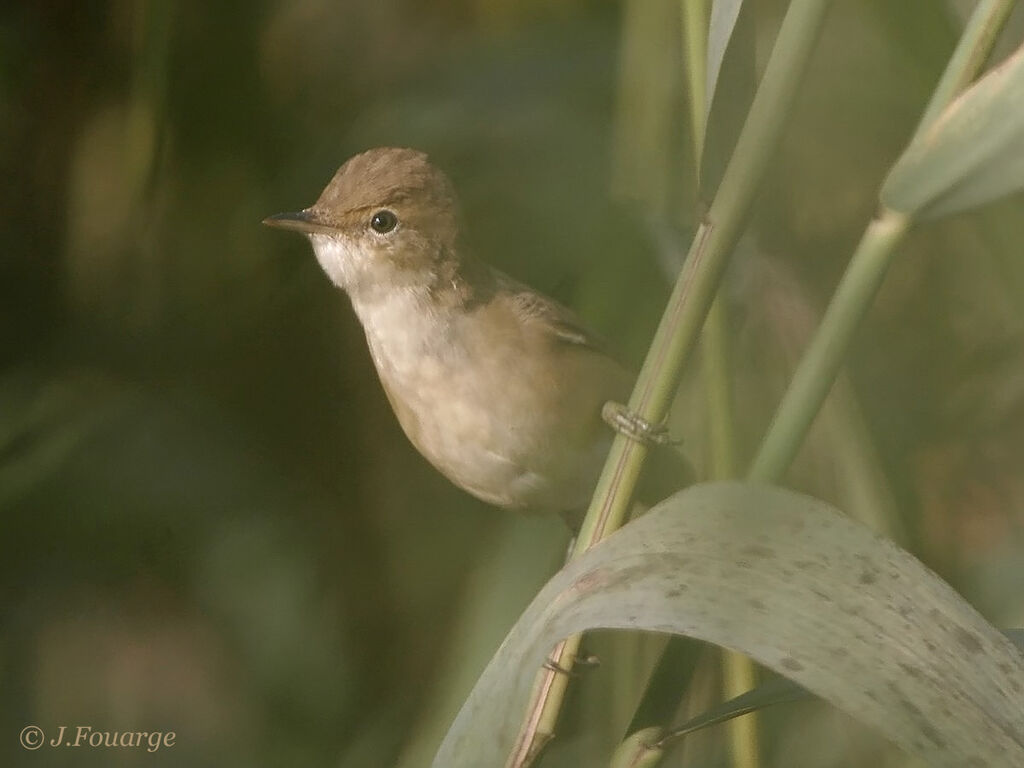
<point x="497" y="385"/>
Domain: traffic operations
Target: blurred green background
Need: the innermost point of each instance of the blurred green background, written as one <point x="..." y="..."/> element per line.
<point x="210" y="521"/>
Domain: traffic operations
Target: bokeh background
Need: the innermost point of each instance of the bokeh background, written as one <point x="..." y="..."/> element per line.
<point x="210" y="522"/>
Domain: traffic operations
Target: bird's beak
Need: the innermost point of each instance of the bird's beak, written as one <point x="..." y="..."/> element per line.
<point x="305" y="222"/>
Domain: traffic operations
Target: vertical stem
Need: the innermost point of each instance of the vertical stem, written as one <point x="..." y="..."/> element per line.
<point x="706" y="261"/>
<point x="718" y="385"/>
<point x="738" y="673"/>
<point x="680" y="326"/>
<point x="740" y="676"/>
<point x="694" y="15"/>
<point x="820" y="364"/>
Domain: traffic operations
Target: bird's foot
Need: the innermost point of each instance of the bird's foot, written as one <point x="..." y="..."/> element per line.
<point x="634" y="426"/>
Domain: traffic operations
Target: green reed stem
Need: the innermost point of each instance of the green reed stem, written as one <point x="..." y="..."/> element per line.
<point x="819" y="367"/>
<point x="680" y="326"/>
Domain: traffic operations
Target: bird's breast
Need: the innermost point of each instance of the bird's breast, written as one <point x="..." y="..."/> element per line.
<point x="496" y="414"/>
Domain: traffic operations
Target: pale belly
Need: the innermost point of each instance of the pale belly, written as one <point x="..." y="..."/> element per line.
<point x="502" y="427"/>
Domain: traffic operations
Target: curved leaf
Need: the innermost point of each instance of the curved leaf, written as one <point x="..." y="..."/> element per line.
<point x="794" y="584"/>
<point x="731" y="83"/>
<point x="724" y="14"/>
<point x="973" y="153"/>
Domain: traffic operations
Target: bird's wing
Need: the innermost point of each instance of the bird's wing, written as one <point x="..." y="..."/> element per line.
<point x="555" y="318"/>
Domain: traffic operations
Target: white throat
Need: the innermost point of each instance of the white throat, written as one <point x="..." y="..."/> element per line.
<point x="338" y="257"/>
<point x="400" y="323"/>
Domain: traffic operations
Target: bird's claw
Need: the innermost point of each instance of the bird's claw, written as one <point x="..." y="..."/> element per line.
<point x="634" y="426"/>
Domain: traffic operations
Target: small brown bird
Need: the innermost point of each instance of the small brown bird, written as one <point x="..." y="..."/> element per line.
<point x="497" y="385"/>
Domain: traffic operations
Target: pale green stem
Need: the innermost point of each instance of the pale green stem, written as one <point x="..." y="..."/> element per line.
<point x="738" y="673"/>
<point x="694" y="14"/>
<point x="639" y="750"/>
<point x="706" y="261"/>
<point x="820" y="364"/>
<point x="681" y="323"/>
<point x="718" y="378"/>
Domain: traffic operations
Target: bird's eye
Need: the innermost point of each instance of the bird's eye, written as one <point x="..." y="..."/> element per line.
<point x="383" y="222"/>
